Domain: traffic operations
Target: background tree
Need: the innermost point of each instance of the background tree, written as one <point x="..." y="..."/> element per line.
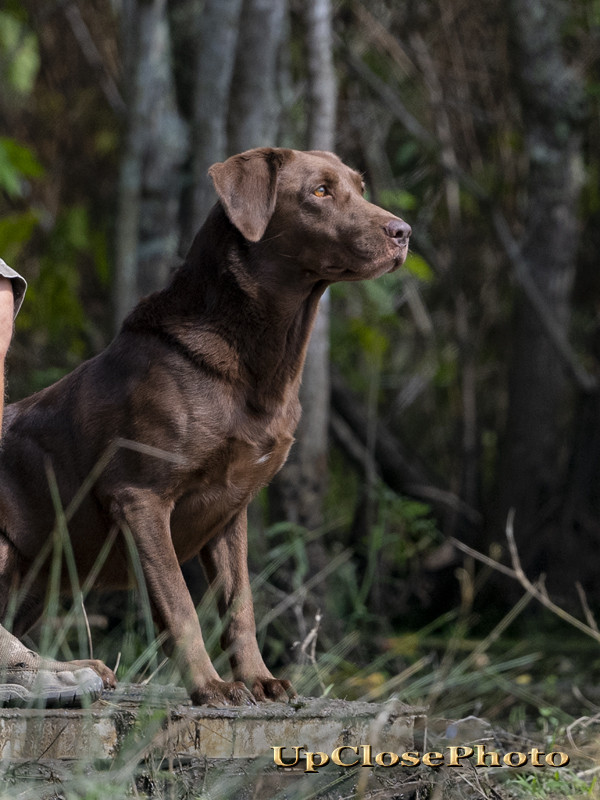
<point x="298" y="492"/>
<point x="302" y="484"/>
<point x="254" y="106"/>
<point x="552" y="103"/>
<point x="147" y="239"/>
<point x="216" y="47"/>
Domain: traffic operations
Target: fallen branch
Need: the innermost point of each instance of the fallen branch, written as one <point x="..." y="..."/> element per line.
<point x="400" y="469"/>
<point x="538" y="591"/>
<point x="539" y="595"/>
<point x="586" y="609"/>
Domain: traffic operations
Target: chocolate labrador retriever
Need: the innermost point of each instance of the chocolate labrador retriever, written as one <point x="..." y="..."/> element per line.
<point x="208" y="370"/>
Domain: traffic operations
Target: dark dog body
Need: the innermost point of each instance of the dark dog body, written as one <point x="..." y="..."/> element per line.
<point x="208" y="370"/>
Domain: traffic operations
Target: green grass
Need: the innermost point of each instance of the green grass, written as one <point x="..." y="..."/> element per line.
<point x="514" y="683"/>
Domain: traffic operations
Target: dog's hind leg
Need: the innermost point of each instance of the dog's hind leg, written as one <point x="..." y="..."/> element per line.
<point x="225" y="561"/>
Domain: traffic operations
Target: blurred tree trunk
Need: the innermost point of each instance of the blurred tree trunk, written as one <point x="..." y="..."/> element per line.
<point x="322" y="84"/>
<point x="298" y="491"/>
<point x="552" y="105"/>
<point x="216" y="47"/>
<point x="155" y="146"/>
<point x="253" y="104"/>
<point x="299" y="488"/>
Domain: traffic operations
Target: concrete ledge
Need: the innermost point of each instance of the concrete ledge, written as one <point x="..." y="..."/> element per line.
<point x="140" y="721"/>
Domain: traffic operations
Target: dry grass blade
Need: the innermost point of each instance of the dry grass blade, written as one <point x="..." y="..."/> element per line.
<point x="382" y="38"/>
<point x="148" y="450"/>
<point x="399" y="679"/>
<point x="476" y="789"/>
<point x="483" y="558"/>
<point x="334" y="564"/>
<point x="583" y="700"/>
<point x="497" y="632"/>
<point x="582" y="722"/>
<point x="87" y="627"/>
<point x="62" y="532"/>
<point x="147" y="680"/>
<point x="148" y="655"/>
<point x="64" y="518"/>
<point x="89" y="582"/>
<point x="466" y="591"/>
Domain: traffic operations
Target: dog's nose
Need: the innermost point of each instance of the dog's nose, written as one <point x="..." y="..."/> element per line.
<point x="399" y="230"/>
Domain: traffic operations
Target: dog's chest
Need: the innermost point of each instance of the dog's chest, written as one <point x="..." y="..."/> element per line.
<point x="256" y="451"/>
<point x="246" y="461"/>
<point x="250" y="467"/>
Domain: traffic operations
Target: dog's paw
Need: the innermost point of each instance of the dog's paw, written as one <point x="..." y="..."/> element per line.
<point x="108" y="676"/>
<point x="218" y="694"/>
<point x="279" y="691"/>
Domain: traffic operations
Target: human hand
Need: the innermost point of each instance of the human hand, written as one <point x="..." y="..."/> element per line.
<point x="7" y="306"/>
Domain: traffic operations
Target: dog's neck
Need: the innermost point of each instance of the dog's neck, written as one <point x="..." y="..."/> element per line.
<point x="251" y="328"/>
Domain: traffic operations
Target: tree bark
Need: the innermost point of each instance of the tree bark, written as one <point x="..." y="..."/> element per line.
<point x="216" y="43"/>
<point x="300" y="487"/>
<point x="156" y="142"/>
<point x="165" y="151"/>
<point x="552" y="105"/>
<point x="254" y="106"/>
<point x="130" y="173"/>
<point x="322" y="84"/>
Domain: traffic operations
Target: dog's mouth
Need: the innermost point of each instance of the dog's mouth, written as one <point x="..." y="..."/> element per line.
<point x="392" y="262"/>
<point x="399" y="259"/>
<point x="371" y="268"/>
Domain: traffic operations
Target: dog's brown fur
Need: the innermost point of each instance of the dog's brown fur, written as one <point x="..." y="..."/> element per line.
<point x="207" y="369"/>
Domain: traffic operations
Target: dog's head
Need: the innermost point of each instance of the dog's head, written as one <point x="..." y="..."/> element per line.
<point x="307" y="212"/>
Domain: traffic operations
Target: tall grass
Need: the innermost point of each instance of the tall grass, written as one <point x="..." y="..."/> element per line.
<point x="409" y="668"/>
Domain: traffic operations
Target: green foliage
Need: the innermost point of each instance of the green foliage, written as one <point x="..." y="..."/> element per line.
<point x="545" y="786"/>
<point x="19" y="55"/>
<point x="292" y="543"/>
<point x="417" y="265"/>
<point x="53" y="303"/>
<point x="16" y="163"/>
<point x="369" y="339"/>
<point x="401" y="530"/>
<point x="447" y="371"/>
<point x="15" y="231"/>
<point x="397" y="200"/>
<point x="407" y="152"/>
<point x="364" y="325"/>
<point x="53" y="306"/>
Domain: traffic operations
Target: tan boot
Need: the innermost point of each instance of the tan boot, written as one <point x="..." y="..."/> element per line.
<point x="28" y="679"/>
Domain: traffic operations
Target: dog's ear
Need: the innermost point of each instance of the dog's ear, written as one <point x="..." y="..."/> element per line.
<point x="247" y="188"/>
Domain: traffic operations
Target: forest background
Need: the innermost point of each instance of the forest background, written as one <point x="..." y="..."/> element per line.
<point x="435" y="399"/>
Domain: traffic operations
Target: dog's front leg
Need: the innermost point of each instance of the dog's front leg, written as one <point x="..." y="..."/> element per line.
<point x="148" y="519"/>
<point x="225" y="561"/>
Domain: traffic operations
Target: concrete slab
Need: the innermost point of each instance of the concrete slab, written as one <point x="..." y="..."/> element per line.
<point x="228" y="751"/>
<point x="162" y="717"/>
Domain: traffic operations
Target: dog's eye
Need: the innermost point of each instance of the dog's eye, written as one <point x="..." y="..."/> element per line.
<point x="320" y="191"/>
